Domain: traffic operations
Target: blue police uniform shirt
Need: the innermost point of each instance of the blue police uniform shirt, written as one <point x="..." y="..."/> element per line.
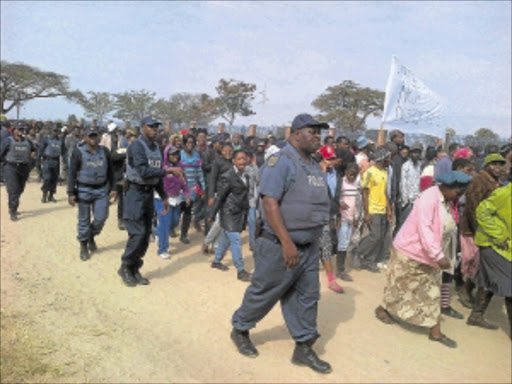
<point x="277" y="176"/>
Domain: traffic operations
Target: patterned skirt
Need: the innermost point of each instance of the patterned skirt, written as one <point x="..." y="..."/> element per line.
<point x="413" y="291"/>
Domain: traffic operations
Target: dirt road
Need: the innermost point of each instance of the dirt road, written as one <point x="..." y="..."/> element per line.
<point x="64" y="320"/>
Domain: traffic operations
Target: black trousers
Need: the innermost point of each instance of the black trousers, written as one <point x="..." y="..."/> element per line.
<point x="15" y="177"/>
<point x="120" y="200"/>
<point x="138" y="214"/>
<point x="50" y="176"/>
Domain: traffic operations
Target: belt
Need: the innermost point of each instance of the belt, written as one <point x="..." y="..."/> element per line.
<point x="93" y="186"/>
<point x="16" y="164"/>
<point x="51" y="158"/>
<point x="267" y="235"/>
<point x="141" y="187"/>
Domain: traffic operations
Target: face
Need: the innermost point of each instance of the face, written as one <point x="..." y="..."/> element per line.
<point x="240" y="161"/>
<point x="495" y="169"/>
<point x="18" y="133"/>
<point x="177" y="142"/>
<point x="308" y="139"/>
<point x="405" y="153"/>
<point x="227" y="152"/>
<point x="174" y="158"/>
<point x="92" y="140"/>
<point x="201" y="139"/>
<point x="218" y="147"/>
<point x="351" y="176"/>
<point x="399" y="139"/>
<point x="415" y="155"/>
<point x="150" y="131"/>
<point x="131" y="139"/>
<point x="329" y="142"/>
<point x="452" y="194"/>
<point x="344" y="145"/>
<point x="236" y="139"/>
<point x="189" y="145"/>
<point x="469" y="170"/>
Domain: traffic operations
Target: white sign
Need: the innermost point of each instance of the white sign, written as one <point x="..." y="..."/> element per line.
<point x="410" y="105"/>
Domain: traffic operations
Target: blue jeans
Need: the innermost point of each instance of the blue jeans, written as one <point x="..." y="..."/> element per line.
<point x="95" y="200"/>
<point x="252" y="226"/>
<point x="166" y="223"/>
<point x="235" y="240"/>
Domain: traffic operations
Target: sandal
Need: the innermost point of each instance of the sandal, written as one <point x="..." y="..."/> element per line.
<point x="385" y="319"/>
<point x="333" y="286"/>
<point x="445" y="340"/>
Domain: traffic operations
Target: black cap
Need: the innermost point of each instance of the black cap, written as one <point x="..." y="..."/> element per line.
<point x="92" y="131"/>
<point x="149" y="121"/>
<point x="305" y="120"/>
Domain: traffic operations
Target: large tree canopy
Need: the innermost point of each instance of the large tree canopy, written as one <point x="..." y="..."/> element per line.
<point x="135" y="105"/>
<point x="347" y="105"/>
<point x="20" y="83"/>
<point x="234" y="98"/>
<point x="182" y="108"/>
<point x="98" y="105"/>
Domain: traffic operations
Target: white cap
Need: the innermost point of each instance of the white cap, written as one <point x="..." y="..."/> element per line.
<point x="111" y="127"/>
<point x="64" y="128"/>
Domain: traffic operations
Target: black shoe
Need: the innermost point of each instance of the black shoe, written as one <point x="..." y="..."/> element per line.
<point x="218" y="265"/>
<point x="243" y="275"/>
<point x="51" y="198"/>
<point x="304" y="355"/>
<point x="445" y="340"/>
<point x="344" y="276"/>
<point x="173" y="233"/>
<point x="127" y="276"/>
<point x="243" y="343"/>
<point x="84" y="252"/>
<point x="14" y="216"/>
<point x="478" y="320"/>
<point x="121" y="225"/>
<point x="44" y="199"/>
<point x="452" y="313"/>
<point x="356" y="262"/>
<point x="139" y="278"/>
<point x="184" y="240"/>
<point x="92" y="244"/>
<point x="372" y="268"/>
<point x="197" y="226"/>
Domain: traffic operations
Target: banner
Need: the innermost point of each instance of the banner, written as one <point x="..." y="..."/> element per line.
<point x="410" y="105"/>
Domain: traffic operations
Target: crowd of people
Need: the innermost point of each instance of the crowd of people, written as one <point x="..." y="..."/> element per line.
<point x="430" y="217"/>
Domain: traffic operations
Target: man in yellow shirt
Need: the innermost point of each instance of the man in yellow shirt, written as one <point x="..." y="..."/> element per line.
<point x="377" y="211"/>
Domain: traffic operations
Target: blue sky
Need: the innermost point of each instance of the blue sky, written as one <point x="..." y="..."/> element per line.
<point x="294" y="50"/>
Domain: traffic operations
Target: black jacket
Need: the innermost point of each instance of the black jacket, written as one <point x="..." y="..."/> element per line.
<point x="219" y="167"/>
<point x="232" y="201"/>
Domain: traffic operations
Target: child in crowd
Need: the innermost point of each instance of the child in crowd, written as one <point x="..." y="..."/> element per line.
<point x="350" y="206"/>
<point x="177" y="189"/>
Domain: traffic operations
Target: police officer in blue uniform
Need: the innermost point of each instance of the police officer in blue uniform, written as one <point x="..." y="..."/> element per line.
<point x="90" y="181"/>
<point x="16" y="151"/>
<point x="295" y="208"/>
<point x="144" y="175"/>
<point x="50" y="151"/>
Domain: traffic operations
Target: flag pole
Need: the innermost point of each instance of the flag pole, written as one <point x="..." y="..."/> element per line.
<point x="381" y="138"/>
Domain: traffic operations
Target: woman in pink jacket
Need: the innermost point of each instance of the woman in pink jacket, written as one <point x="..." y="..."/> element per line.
<point x="423" y="247"/>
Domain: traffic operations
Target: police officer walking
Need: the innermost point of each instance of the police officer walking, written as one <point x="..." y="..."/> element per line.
<point x="144" y="175"/>
<point x="295" y="208"/>
<point x="50" y="150"/>
<point x="16" y="152"/>
<point x="90" y="180"/>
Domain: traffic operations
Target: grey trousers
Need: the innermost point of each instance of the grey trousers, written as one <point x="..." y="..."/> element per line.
<point x="372" y="247"/>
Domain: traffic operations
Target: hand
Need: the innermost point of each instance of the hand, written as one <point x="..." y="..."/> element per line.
<point x="166" y="207"/>
<point x="211" y="201"/>
<point x="188" y="202"/>
<point x="389" y="215"/>
<point x="503" y="245"/>
<point x="72" y="200"/>
<point x="113" y="196"/>
<point x="210" y="220"/>
<point x="444" y="263"/>
<point x="367" y="219"/>
<point x="344" y="206"/>
<point x="290" y="255"/>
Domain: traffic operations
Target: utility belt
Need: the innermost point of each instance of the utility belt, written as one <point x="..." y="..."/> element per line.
<point x="92" y="186"/>
<point x="16" y="164"/>
<point x="51" y="158"/>
<point x="140" y="187"/>
<point x="267" y="235"/>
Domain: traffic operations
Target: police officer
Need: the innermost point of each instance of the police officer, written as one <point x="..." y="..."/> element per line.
<point x="144" y="174"/>
<point x="50" y="151"/>
<point x="90" y="180"/>
<point x="16" y="152"/>
<point x="295" y="207"/>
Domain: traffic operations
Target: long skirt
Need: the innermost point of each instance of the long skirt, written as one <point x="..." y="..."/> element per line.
<point x="494" y="273"/>
<point x="413" y="291"/>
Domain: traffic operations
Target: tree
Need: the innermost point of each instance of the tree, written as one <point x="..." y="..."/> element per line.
<point x="72" y="120"/>
<point x="234" y="98"/>
<point x="486" y="135"/>
<point x="186" y="107"/>
<point x="347" y="105"/>
<point x="20" y="83"/>
<point x="134" y="105"/>
<point x="98" y="105"/>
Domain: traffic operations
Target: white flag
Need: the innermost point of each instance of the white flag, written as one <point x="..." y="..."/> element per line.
<point x="410" y="105"/>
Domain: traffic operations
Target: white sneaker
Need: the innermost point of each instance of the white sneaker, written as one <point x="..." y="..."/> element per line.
<point x="382" y="265"/>
<point x="164" y="255"/>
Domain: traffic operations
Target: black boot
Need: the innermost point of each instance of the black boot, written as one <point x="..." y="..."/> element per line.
<point x="243" y="343"/>
<point x="482" y="300"/>
<point x="465" y="297"/>
<point x="508" y="305"/>
<point x="304" y="355"/>
<point x="340" y="266"/>
<point x="121" y="225"/>
<point x="139" y="278"/>
<point x="84" y="252"/>
<point x="51" y="198"/>
<point x="44" y="199"/>
<point x="127" y="276"/>
<point x="92" y="244"/>
<point x="185" y="225"/>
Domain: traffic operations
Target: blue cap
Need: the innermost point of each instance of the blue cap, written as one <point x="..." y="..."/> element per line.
<point x="149" y="121"/>
<point x="453" y="178"/>
<point x="362" y="142"/>
<point x="305" y="120"/>
<point x="92" y="131"/>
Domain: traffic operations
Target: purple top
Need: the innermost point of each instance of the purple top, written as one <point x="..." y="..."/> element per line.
<point x="173" y="185"/>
